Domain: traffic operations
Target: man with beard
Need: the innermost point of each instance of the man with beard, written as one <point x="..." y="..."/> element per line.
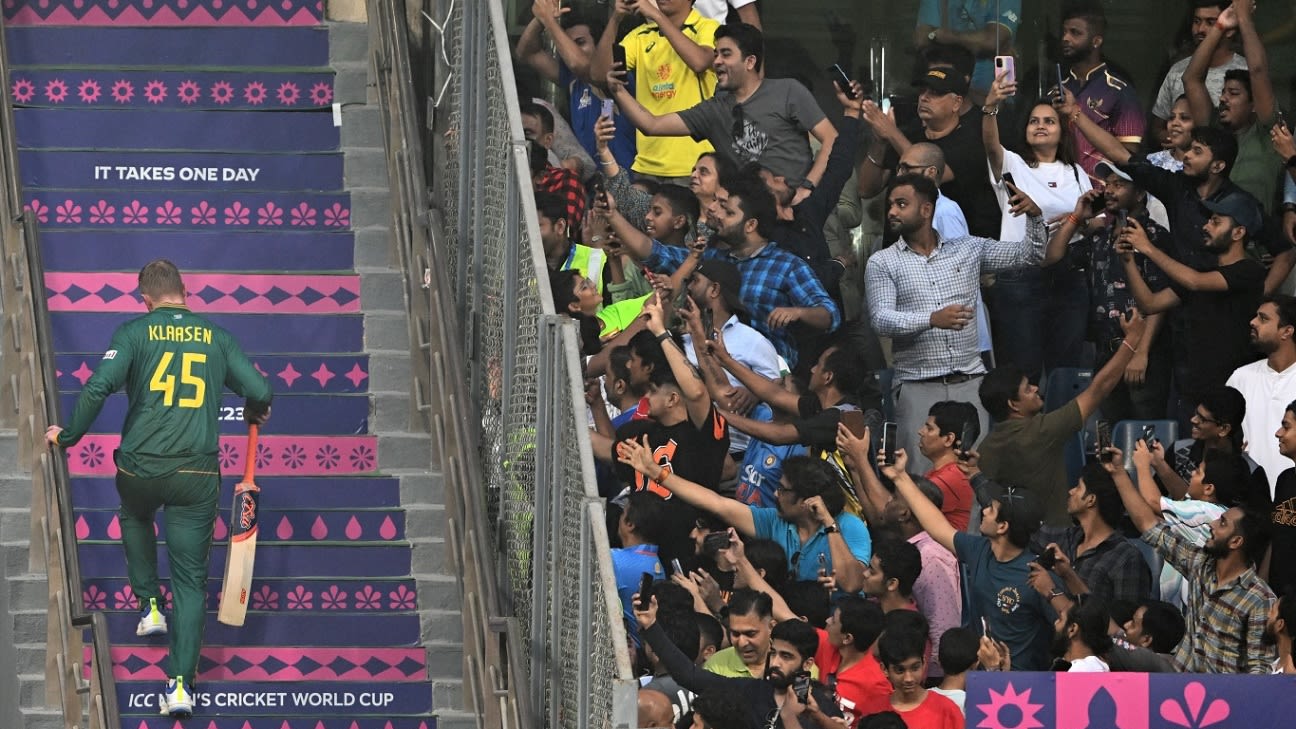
<point x="1282" y="561"/>
<point x="1102" y="94"/>
<point x="1228" y="604"/>
<point x="1216" y="303"/>
<point x="768" y="698"/>
<point x="1268" y="383"/>
<point x="1278" y="633"/>
<point x="1222" y="59"/>
<point x="750" y="118"/>
<point x="1080" y="638"/>
<point x="1142" y="392"/>
<point x="778" y="288"/>
<point x="922" y="291"/>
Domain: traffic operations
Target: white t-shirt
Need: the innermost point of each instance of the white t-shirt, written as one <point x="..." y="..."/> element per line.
<point x="958" y="696"/>
<point x="1089" y="664"/>
<point x="719" y="10"/>
<point x="1267" y="395"/>
<point x="1172" y="87"/>
<point x="1053" y="186"/>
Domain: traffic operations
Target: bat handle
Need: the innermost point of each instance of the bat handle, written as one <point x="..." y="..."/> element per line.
<point x="249" y="467"/>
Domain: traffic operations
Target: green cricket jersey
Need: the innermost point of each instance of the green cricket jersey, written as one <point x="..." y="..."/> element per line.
<point x="174" y="365"/>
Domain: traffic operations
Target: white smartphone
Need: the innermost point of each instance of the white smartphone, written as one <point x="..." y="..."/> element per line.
<point x="885" y="105"/>
<point x="1006" y="68"/>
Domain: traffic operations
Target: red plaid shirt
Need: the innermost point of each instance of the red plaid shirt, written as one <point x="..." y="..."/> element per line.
<point x="562" y="181"/>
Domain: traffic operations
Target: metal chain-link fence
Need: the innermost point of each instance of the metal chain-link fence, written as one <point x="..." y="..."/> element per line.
<point x="524" y="369"/>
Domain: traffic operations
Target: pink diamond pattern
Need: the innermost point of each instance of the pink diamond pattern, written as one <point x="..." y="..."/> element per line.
<point x="82" y="373"/>
<point x="288" y="374"/>
<point x="322" y="375"/>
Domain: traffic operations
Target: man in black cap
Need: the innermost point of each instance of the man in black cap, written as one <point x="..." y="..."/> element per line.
<point x="959" y="137"/>
<point x="1217" y="304"/>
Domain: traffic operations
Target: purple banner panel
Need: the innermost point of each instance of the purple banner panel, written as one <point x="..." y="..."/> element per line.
<point x="299" y="596"/>
<point x="226" y="293"/>
<point x="74" y="46"/>
<point x="326" y="700"/>
<point x="256" y="333"/>
<point x="171" y="89"/>
<point x="272" y="560"/>
<point x="1019" y="700"/>
<point x="64" y="209"/>
<point x="293" y="415"/>
<point x="292" y="629"/>
<point x="277" y="664"/>
<point x="278" y="493"/>
<point x="320" y="172"/>
<point x="164" y="12"/>
<point x="196" y="131"/>
<point x="300" y="374"/>
<point x="277" y="455"/>
<point x="283" y="249"/>
<point x="278" y="526"/>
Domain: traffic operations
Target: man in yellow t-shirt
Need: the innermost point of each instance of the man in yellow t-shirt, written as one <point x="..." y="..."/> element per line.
<point x="670" y="56"/>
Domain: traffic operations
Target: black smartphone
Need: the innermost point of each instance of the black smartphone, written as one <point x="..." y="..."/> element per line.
<point x="599" y="185"/>
<point x="854" y="422"/>
<point x="1149" y="435"/>
<point x="801" y="686"/>
<point x="966" y="441"/>
<point x="714" y="542"/>
<point x="645" y="591"/>
<point x="1008" y="178"/>
<point x="888" y="443"/>
<point x="1061" y="85"/>
<point x="1104" y="433"/>
<point x="708" y="322"/>
<point x="842" y="80"/>
<point x="1048" y="559"/>
<point x="619" y="56"/>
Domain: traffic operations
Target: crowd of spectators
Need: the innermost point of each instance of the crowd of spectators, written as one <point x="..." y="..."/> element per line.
<point x="835" y="484"/>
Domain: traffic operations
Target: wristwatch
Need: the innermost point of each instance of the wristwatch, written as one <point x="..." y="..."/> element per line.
<point x="830" y="529"/>
<point x="807" y="184"/>
<point x="1291" y="161"/>
<point x="931" y="36"/>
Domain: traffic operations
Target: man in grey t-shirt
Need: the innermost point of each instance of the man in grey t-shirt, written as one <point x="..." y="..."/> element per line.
<point x="750" y="118"/>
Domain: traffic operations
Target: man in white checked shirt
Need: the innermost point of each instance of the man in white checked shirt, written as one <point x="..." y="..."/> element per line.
<point x="921" y="293"/>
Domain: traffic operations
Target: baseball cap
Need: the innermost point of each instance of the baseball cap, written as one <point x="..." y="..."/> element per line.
<point x="729" y="279"/>
<point x="1242" y="208"/>
<point x="943" y="81"/>
<point x="1107" y="167"/>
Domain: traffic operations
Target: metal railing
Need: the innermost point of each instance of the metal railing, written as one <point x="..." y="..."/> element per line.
<point x="30" y="403"/>
<point x="497" y="377"/>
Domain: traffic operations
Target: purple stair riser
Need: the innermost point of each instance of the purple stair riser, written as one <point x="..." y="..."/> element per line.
<point x="298" y="596"/>
<point x="85" y="170"/>
<point x="163" y="47"/>
<point x="332" y="722"/>
<point x="278" y="493"/>
<point x="196" y="131"/>
<point x="226" y="293"/>
<point x="275" y="526"/>
<point x="193" y="90"/>
<point x="308" y="698"/>
<point x="255" y="333"/>
<point x="185" y="210"/>
<point x="304" y="374"/>
<point x="287" y="629"/>
<point x="272" y="560"/>
<point x="302" y="415"/>
<point x="199" y="250"/>
<point x="164" y="12"/>
<point x="277" y="664"/>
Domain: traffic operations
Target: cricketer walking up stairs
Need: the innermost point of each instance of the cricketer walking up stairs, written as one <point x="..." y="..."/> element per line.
<point x="239" y="139"/>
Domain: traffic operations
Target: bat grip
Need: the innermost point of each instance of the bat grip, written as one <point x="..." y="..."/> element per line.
<point x="249" y="467"/>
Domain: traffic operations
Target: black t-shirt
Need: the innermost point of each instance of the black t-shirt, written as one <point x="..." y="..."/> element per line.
<point x="1217" y="337"/>
<point x="965" y="156"/>
<point x="1282" y="565"/>
<point x="696" y="454"/>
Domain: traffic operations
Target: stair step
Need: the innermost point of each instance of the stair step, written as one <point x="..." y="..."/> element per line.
<point x="293" y="414"/>
<point x="166" y="47"/>
<point x="189" y="90"/>
<point x="278" y="493"/>
<point x="284" y="701"/>
<point x="79" y="12"/>
<point x="303" y="374"/>
<point x="185" y="210"/>
<point x="226" y="293"/>
<point x="194" y="250"/>
<point x="196" y="131"/>
<point x="286" y="629"/>
<point x="328" y="722"/>
<point x="256" y="333"/>
<point x="320" y="172"/>
<point x="278" y="455"/>
<point x="278" y="664"/>
<point x="298" y="596"/>
<point x="348" y="42"/>
<point x="283" y="559"/>
<point x="276" y="526"/>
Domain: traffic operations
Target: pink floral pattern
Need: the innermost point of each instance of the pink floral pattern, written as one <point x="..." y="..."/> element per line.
<point x="102" y="213"/>
<point x="189" y="92"/>
<point x="203" y="214"/>
<point x="367" y="598"/>
<point x="264" y="599"/>
<point x="89" y="91"/>
<point x="333" y="599"/>
<point x="402" y="598"/>
<point x="270" y="214"/>
<point x="336" y="215"/>
<point x="299" y="598"/>
<point x="155" y="92"/>
<point x="303" y="215"/>
<point x="135" y="213"/>
<point x="93" y="598"/>
<point x="39" y="209"/>
<point x="123" y="91"/>
<point x="67" y="212"/>
<point x="56" y="91"/>
<point x="168" y="213"/>
<point x="236" y="214"/>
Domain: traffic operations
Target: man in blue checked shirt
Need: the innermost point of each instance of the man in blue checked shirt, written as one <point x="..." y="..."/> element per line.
<point x="921" y="293"/>
<point x="778" y="288"/>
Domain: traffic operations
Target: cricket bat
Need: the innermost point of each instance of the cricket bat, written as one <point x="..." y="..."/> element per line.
<point x="243" y="541"/>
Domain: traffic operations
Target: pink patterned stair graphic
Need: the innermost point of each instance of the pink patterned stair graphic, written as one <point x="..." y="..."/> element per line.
<point x="372" y="526"/>
<point x="284" y="455"/>
<point x="359" y="595"/>
<point x="248" y="663"/>
<point x="210" y="292"/>
<point x="164" y="12"/>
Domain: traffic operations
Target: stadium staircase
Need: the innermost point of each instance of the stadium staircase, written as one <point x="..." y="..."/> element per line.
<point x="240" y="139"/>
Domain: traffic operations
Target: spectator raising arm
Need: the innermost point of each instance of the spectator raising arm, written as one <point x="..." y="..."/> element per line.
<point x="928" y="514"/>
<point x="639" y="457"/>
<point x="697" y="57"/>
<point x="1140" y="511"/>
<point x="601" y="61"/>
<point x="667" y="125"/>
<point x="1102" y="140"/>
<point x="872" y="495"/>
<point x="634" y="241"/>
<point x="1000" y="89"/>
<point x="1135" y="240"/>
<point x="690" y="382"/>
<point x="1149" y="301"/>
<point x="547" y="16"/>
<point x="1147" y="485"/>
<point x="1106" y="379"/>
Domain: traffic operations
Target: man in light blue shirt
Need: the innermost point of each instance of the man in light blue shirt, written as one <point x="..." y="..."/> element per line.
<point x="639" y="528"/>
